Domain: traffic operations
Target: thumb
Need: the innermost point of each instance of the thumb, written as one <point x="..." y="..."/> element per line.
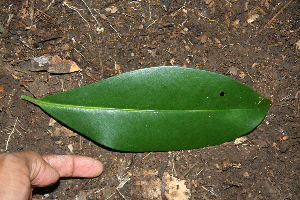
<point x="18" y="170"/>
<point x="41" y="173"/>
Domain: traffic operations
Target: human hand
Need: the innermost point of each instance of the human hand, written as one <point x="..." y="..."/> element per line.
<point x="21" y="172"/>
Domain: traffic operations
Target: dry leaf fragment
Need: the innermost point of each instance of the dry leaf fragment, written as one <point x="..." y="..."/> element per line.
<point x="64" y="132"/>
<point x="242" y="75"/>
<point x="298" y="45"/>
<point x="233" y="70"/>
<point x="52" y="64"/>
<point x="70" y="146"/>
<point x="52" y="122"/>
<point x="236" y="23"/>
<point x="203" y="39"/>
<point x="226" y="164"/>
<point x="112" y="9"/>
<point x="176" y="189"/>
<point x="2" y="89"/>
<point x="41" y="61"/>
<point x="252" y="18"/>
<point x="246" y="175"/>
<point x="208" y="1"/>
<point x="240" y="140"/>
<point x="103" y="16"/>
<point x="57" y="65"/>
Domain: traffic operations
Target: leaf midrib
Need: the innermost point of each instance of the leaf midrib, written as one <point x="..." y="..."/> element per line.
<point x="41" y="103"/>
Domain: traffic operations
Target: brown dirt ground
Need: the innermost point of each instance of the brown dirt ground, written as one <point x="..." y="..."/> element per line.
<point x="255" y="42"/>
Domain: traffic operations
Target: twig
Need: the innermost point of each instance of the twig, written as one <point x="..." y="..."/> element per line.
<point x="150" y="13"/>
<point x="121" y="185"/>
<point x="82" y="185"/>
<point x="229" y="2"/>
<point x="48" y="7"/>
<point x="43" y="13"/>
<point x="151" y="23"/>
<point x="10" y="17"/>
<point x="189" y="170"/>
<point x="91" y="13"/>
<point x="114" y="29"/>
<point x="146" y="155"/>
<point x="276" y="15"/>
<point x="109" y="25"/>
<point x="211" y="190"/>
<point x="173" y="166"/>
<point x="199" y="172"/>
<point x="11" y="133"/>
<point x="76" y="9"/>
<point x="110" y="196"/>
<point x="46" y="17"/>
<point x="123" y="181"/>
<point x="174" y="12"/>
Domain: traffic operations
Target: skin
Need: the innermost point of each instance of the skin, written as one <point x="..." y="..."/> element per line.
<point x="21" y="172"/>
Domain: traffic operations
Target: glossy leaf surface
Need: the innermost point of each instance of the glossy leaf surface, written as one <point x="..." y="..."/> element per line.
<point x="159" y="109"/>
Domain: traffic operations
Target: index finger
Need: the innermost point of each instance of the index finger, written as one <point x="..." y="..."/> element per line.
<point x="74" y="165"/>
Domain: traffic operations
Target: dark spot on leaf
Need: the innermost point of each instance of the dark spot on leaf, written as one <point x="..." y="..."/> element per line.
<point x="222" y="94"/>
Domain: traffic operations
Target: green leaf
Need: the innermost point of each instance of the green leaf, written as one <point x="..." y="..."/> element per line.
<point x="159" y="109"/>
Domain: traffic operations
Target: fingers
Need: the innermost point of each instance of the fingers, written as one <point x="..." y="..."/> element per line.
<point x="74" y="165"/>
<point x="20" y="171"/>
<point x="36" y="168"/>
<point x="16" y="170"/>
